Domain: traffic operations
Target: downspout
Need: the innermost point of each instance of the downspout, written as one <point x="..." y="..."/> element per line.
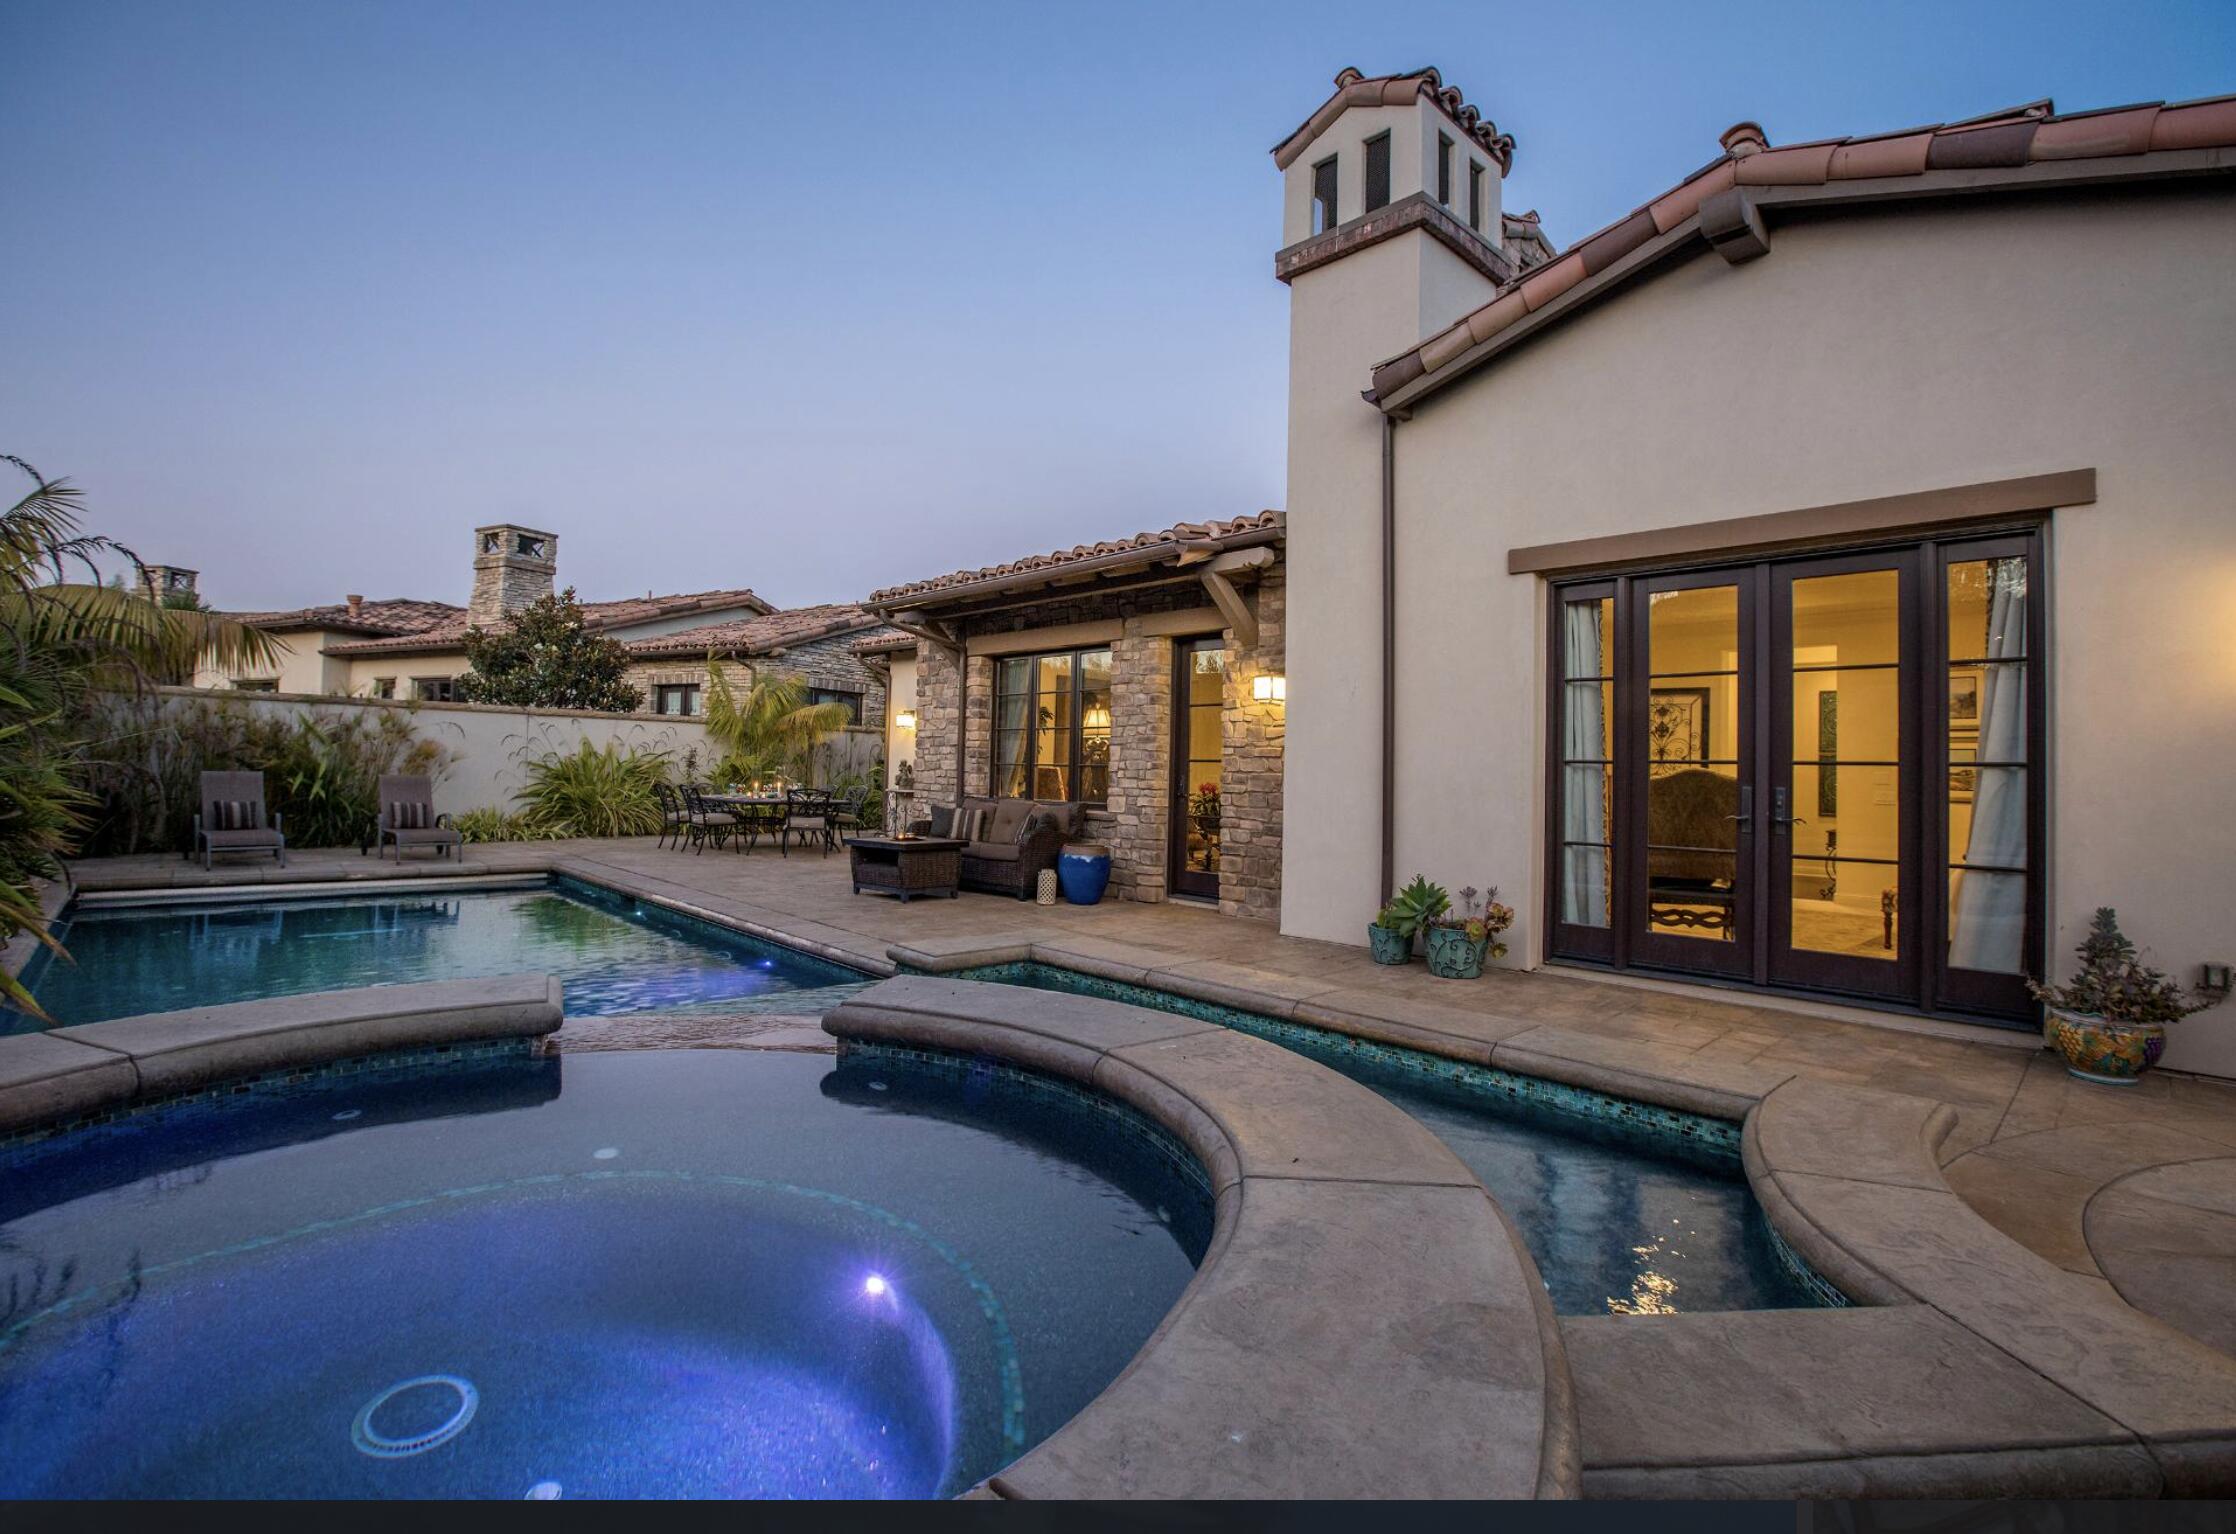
<point x="1389" y="656"/>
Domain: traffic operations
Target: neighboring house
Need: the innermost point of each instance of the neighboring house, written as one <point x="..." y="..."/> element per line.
<point x="416" y="649"/>
<point x="816" y="644"/>
<point x="1739" y="589"/>
<point x="1141" y="677"/>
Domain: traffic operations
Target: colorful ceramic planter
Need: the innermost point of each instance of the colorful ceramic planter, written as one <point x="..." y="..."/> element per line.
<point x="2111" y="1054"/>
<point x="1389" y="947"/>
<point x="1083" y="868"/>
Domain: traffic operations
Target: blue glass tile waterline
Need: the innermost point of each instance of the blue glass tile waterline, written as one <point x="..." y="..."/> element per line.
<point x="1628" y="1208"/>
<point x="612" y="954"/>
<point x="646" y="1273"/>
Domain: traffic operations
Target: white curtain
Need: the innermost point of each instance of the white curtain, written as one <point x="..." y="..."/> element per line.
<point x="1584" y="805"/>
<point x="1988" y="911"/>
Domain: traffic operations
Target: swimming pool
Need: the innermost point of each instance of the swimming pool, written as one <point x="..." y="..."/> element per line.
<point x="612" y="954"/>
<point x="642" y="1273"/>
<point x="1627" y="1209"/>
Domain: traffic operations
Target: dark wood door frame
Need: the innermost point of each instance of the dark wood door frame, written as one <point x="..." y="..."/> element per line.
<point x="1180" y="879"/>
<point x="1925" y="981"/>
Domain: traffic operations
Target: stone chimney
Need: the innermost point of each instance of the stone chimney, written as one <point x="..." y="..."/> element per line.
<point x="356" y="605"/>
<point x="513" y="567"/>
<point x="168" y="581"/>
<point x="1743" y="139"/>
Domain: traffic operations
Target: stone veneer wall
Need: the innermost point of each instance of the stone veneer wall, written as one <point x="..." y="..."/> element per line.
<point x="1135" y="821"/>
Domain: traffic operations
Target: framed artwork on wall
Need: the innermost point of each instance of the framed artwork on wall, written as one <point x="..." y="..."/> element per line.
<point x="1964" y="700"/>
<point x="1677" y="725"/>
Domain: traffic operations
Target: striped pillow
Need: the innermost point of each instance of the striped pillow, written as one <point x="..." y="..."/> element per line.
<point x="970" y="822"/>
<point x="407" y="816"/>
<point x="236" y="815"/>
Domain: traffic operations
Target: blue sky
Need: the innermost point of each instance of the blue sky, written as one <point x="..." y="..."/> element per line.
<point x="808" y="298"/>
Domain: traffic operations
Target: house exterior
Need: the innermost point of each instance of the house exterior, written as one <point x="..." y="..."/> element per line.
<point x="416" y="649"/>
<point x="1819" y="581"/>
<point x="1142" y="677"/>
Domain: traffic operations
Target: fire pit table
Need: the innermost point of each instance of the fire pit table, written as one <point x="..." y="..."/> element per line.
<point x="906" y="866"/>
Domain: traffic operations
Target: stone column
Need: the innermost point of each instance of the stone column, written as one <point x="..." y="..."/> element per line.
<point x="1140" y="762"/>
<point x="1251" y="745"/>
<point x="939" y="701"/>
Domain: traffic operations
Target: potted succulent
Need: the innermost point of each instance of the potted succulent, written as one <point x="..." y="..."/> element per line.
<point x="2109" y="1021"/>
<point x="1458" y="944"/>
<point x="1394" y="927"/>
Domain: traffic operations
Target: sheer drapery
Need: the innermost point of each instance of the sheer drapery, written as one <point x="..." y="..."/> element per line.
<point x="1584" y="804"/>
<point x="1987" y="912"/>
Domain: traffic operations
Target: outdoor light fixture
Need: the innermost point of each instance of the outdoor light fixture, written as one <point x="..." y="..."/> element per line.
<point x="1270" y="689"/>
<point x="874" y="1285"/>
<point x="905" y="719"/>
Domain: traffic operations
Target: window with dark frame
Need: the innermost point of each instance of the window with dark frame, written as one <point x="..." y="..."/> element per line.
<point x="1323" y="196"/>
<point x="256" y="684"/>
<point x="1377" y="172"/>
<point x="1444" y="169"/>
<point x="852" y="701"/>
<point x="435" y="689"/>
<point x="1475" y="197"/>
<point x="1052" y="726"/>
<point x="384" y="687"/>
<point x="676" y="698"/>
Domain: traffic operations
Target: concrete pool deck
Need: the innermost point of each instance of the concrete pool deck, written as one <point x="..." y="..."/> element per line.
<point x="2038" y="1217"/>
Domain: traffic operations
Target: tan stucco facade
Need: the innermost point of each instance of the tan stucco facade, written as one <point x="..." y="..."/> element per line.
<point x="1873" y="354"/>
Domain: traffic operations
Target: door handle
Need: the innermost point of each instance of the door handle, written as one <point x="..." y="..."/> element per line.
<point x="1746" y="816"/>
<point x="1779" y="819"/>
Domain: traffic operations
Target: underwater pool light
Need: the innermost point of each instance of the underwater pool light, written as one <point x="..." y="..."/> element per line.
<point x="874" y="1285"/>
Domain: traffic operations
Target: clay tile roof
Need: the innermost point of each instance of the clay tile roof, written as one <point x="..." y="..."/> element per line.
<point x="2011" y="139"/>
<point x="1353" y="89"/>
<point x="765" y="633"/>
<point x="1174" y="537"/>
<point x="450" y="632"/>
<point x="394" y="615"/>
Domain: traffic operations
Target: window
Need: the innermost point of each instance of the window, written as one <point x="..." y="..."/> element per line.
<point x="1323" y="196"/>
<point x="676" y="698"/>
<point x="434" y="689"/>
<point x="384" y="687"/>
<point x="1377" y="172"/>
<point x="256" y="684"/>
<point x="851" y="700"/>
<point x="1475" y="197"/>
<point x="1444" y="169"/>
<point x="1052" y="727"/>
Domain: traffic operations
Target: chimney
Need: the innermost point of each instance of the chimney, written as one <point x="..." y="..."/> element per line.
<point x="170" y="583"/>
<point x="356" y="605"/>
<point x="513" y="567"/>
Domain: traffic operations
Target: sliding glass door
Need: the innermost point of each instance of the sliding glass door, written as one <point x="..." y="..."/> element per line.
<point x="1811" y="773"/>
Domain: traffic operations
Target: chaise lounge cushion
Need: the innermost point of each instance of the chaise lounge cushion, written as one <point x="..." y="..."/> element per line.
<point x="425" y="836"/>
<point x="220" y="840"/>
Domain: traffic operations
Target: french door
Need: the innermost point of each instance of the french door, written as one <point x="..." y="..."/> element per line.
<point x="1199" y="695"/>
<point x="1815" y="773"/>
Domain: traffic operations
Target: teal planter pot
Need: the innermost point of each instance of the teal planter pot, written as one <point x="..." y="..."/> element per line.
<point x="1083" y="869"/>
<point x="1389" y="947"/>
<point x="1454" y="955"/>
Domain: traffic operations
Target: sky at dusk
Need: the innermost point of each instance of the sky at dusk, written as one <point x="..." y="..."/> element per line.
<point x="811" y="298"/>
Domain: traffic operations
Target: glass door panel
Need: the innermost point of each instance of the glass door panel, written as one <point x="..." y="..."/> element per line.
<point x="1986" y="727"/>
<point x="1690" y="737"/>
<point x="1584" y="752"/>
<point x="1199" y="712"/>
<point x="1838" y="825"/>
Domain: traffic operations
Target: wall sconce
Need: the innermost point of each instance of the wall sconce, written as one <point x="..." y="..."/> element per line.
<point x="1270" y="689"/>
<point x="905" y="719"/>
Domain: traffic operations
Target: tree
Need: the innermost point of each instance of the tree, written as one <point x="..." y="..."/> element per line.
<point x="771" y="729"/>
<point x="63" y="643"/>
<point x="548" y="659"/>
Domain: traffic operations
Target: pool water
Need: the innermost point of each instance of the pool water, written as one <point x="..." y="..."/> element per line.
<point x="611" y="954"/>
<point x="1621" y="1219"/>
<point x="703" y="1273"/>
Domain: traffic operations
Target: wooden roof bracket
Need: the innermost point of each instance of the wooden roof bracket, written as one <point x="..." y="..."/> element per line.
<point x="1219" y="586"/>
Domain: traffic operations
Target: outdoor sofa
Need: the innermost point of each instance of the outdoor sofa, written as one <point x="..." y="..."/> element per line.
<point x="1008" y="841"/>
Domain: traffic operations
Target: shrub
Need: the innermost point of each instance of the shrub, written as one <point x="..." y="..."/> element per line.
<point x="595" y="792"/>
<point x="490" y="824"/>
<point x="546" y="658"/>
<point x="2114" y="983"/>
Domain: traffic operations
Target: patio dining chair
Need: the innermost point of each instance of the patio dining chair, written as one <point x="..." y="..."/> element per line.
<point x="233" y="818"/>
<point x="675" y="819"/>
<point x="408" y="818"/>
<point x="810" y="812"/>
<point x="773" y="821"/>
<point x="704" y="820"/>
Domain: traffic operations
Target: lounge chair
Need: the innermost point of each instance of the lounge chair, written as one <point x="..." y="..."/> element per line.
<point x="233" y="818"/>
<point x="408" y="818"/>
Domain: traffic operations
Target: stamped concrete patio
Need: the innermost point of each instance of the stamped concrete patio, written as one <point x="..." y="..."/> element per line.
<point x="2130" y="1193"/>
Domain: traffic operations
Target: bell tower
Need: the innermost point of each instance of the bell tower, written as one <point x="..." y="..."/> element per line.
<point x="1391" y="230"/>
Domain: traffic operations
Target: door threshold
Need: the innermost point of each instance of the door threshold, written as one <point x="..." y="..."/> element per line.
<point x="1960" y="1030"/>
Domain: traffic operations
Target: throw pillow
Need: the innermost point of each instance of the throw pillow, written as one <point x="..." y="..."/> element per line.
<point x="943" y="820"/>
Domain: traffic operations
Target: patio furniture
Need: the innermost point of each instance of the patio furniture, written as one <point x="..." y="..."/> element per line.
<point x="703" y="820"/>
<point x="810" y="813"/>
<point x="1009" y="840"/>
<point x="408" y="818"/>
<point x="675" y="820"/>
<point x="233" y="819"/>
<point x="906" y="866"/>
<point x="1692" y="836"/>
<point x="760" y="815"/>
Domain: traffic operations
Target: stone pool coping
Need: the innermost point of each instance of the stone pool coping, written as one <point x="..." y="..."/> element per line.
<point x="1302" y="1361"/>
<point x="1971" y="1365"/>
<point x="71" y="1073"/>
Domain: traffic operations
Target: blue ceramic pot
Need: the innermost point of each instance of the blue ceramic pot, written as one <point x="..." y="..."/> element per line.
<point x="1083" y="869"/>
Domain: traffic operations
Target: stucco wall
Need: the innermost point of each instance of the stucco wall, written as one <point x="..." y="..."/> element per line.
<point x="301" y="667"/>
<point x="490" y="746"/>
<point x="1865" y="356"/>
